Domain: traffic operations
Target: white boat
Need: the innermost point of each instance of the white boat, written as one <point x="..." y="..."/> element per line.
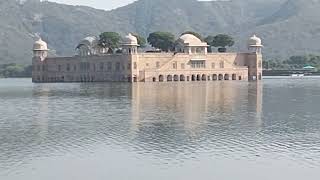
<point x="297" y="75"/>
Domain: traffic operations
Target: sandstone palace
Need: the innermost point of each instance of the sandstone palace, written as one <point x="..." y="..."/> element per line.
<point x="190" y="61"/>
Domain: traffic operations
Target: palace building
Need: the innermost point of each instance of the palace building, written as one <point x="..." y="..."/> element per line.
<point x="190" y="62"/>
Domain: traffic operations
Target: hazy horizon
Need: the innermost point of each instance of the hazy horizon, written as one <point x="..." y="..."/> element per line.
<point x="99" y="4"/>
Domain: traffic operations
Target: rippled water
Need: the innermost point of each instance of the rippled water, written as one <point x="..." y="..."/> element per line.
<point x="187" y="131"/>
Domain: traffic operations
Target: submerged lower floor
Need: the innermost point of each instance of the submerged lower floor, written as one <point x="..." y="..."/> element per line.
<point x="147" y="77"/>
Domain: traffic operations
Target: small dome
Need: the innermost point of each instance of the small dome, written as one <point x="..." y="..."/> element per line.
<point x="90" y="41"/>
<point x="40" y="45"/>
<point x="191" y="40"/>
<point x="130" y="40"/>
<point x="254" y="41"/>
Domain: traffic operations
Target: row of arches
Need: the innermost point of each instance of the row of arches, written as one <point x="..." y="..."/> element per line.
<point x="197" y="77"/>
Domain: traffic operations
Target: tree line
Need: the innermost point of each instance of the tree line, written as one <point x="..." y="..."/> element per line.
<point x="15" y="70"/>
<point x="293" y="62"/>
<point x="164" y="41"/>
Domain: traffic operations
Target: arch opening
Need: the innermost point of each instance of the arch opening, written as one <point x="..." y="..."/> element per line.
<point x="226" y="77"/>
<point x="204" y="77"/>
<point x="193" y="78"/>
<point x="182" y="77"/>
<point x="234" y="77"/>
<point x="161" y="78"/>
<point x="198" y="77"/>
<point x="176" y="78"/>
<point x="214" y="77"/>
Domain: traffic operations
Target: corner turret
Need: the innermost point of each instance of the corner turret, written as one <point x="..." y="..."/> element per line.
<point x="40" y="49"/>
<point x="255" y="44"/>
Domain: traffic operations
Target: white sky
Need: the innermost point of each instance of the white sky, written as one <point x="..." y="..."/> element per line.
<point x="100" y="4"/>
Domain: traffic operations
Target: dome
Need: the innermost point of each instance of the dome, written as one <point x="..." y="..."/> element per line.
<point x="90" y="41"/>
<point x="40" y="45"/>
<point x="254" y="41"/>
<point x="191" y="40"/>
<point x="130" y="40"/>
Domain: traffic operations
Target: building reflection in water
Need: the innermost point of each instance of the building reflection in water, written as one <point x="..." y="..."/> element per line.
<point x="167" y="114"/>
<point x="193" y="101"/>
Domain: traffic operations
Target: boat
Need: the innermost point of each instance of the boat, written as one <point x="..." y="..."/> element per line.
<point x="297" y="75"/>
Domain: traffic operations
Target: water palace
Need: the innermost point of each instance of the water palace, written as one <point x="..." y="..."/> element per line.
<point x="190" y="62"/>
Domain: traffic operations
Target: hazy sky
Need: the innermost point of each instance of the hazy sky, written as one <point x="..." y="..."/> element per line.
<point x="100" y="4"/>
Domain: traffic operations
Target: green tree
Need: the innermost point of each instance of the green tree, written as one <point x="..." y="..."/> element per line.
<point x="110" y="40"/>
<point x="209" y="40"/>
<point x="162" y="40"/>
<point x="141" y="41"/>
<point x="193" y="33"/>
<point x="222" y="41"/>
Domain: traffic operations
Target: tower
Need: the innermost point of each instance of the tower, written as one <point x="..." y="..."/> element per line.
<point x="130" y="49"/>
<point x="255" y="44"/>
<point x="40" y="50"/>
<point x="40" y="53"/>
<point x="254" y="60"/>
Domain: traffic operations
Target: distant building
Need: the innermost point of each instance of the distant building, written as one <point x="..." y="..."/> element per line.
<point x="189" y="62"/>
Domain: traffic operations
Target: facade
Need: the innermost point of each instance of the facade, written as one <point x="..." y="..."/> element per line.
<point x="189" y="62"/>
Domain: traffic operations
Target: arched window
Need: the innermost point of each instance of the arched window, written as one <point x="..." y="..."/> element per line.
<point x="222" y="64"/>
<point x="213" y="65"/>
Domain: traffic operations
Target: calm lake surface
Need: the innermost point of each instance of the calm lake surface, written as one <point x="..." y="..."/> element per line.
<point x="166" y="131"/>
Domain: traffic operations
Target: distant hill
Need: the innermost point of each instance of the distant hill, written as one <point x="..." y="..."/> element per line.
<point x="287" y="27"/>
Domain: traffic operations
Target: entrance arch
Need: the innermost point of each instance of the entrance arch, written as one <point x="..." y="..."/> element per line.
<point x="169" y="78"/>
<point x="220" y="77"/>
<point x="154" y="79"/>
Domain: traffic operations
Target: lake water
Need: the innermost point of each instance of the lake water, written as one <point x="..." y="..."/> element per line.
<point x="151" y="131"/>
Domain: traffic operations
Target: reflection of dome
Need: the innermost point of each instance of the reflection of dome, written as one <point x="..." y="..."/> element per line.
<point x="40" y="45"/>
<point x="89" y="42"/>
<point x="191" y="40"/>
<point x="254" y="41"/>
<point x="130" y="40"/>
